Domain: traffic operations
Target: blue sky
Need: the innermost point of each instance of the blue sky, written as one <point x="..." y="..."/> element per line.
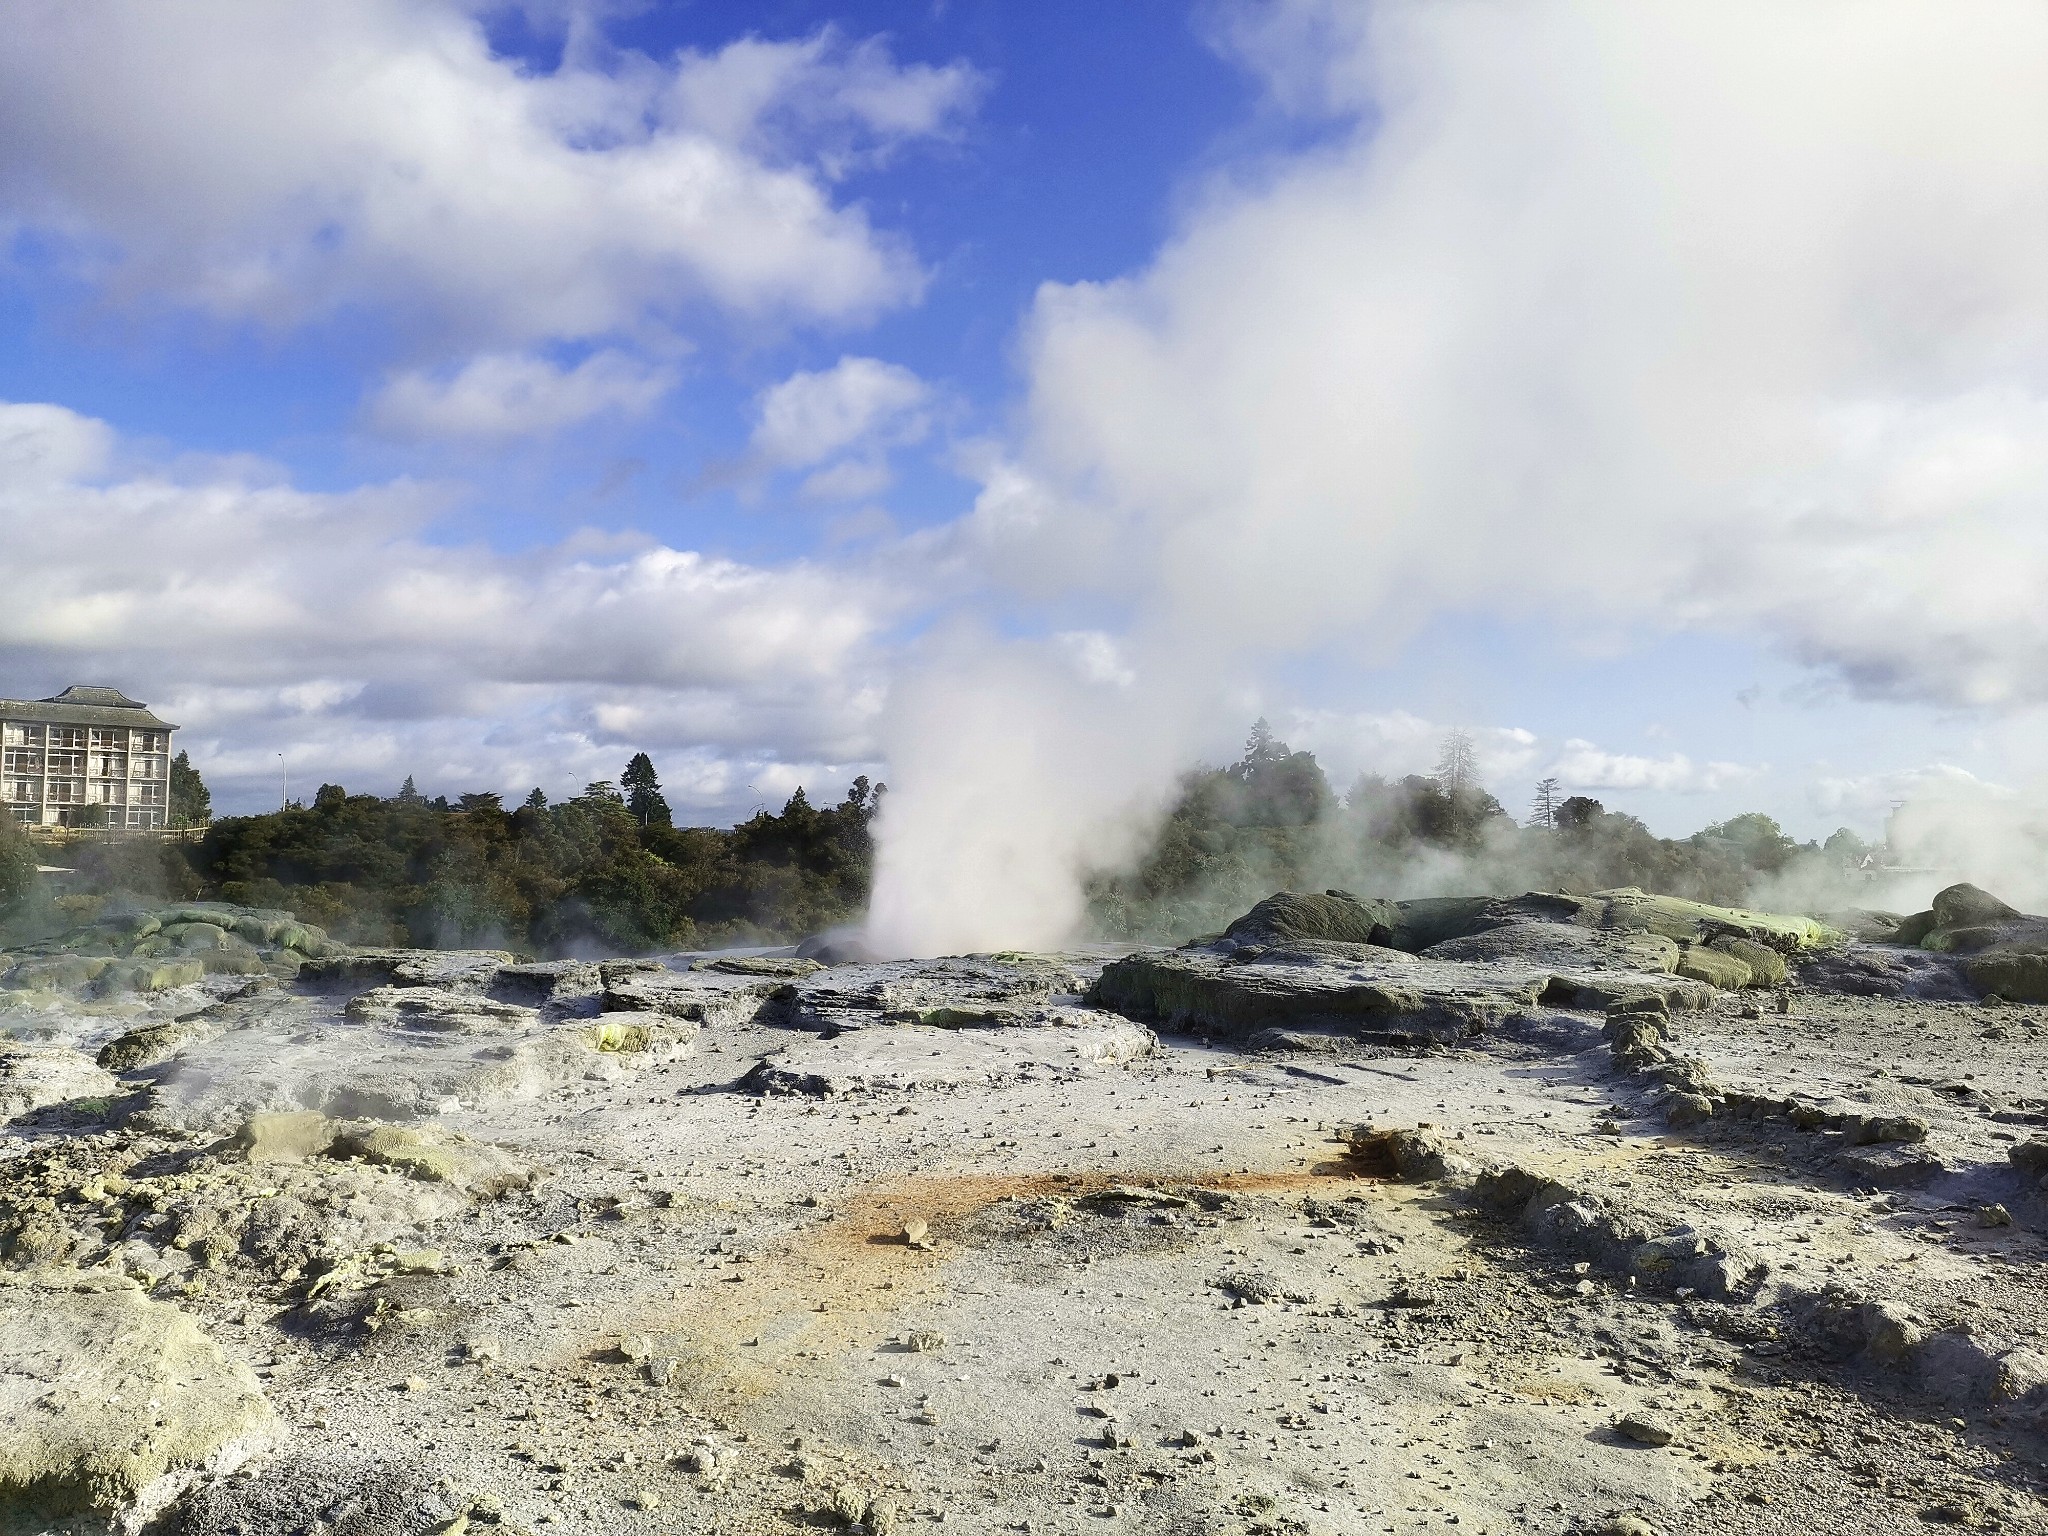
<point x="487" y="392"/>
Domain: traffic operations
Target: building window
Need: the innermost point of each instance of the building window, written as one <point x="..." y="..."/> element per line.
<point x="23" y="760"/>
<point x="29" y="790"/>
<point x="15" y="734"/>
<point x="27" y="815"/>
<point x="67" y="736"/>
<point x="149" y="794"/>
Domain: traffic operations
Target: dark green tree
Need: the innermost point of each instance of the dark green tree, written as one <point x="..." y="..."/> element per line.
<point x="409" y="794"/>
<point x="1277" y="787"/>
<point x="17" y="864"/>
<point x="191" y="804"/>
<point x="643" y="793"/>
<point x="329" y="798"/>
<point x="538" y="800"/>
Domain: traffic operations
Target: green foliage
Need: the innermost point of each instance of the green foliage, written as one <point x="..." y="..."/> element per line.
<point x="1268" y="822"/>
<point x="191" y="803"/>
<point x="643" y="792"/>
<point x="584" y="876"/>
<point x="17" y="865"/>
<point x="1273" y="787"/>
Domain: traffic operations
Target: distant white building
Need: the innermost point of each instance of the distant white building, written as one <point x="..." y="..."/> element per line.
<point x="87" y="747"/>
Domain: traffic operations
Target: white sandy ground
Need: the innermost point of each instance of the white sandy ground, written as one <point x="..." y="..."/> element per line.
<point x="1090" y="1202"/>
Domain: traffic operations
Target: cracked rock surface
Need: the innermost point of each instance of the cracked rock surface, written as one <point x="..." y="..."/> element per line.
<point x="1559" y="1215"/>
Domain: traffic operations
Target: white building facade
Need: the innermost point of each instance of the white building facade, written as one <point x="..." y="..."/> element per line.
<point x="88" y="757"/>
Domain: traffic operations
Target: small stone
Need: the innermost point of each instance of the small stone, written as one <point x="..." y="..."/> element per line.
<point x="415" y="1383"/>
<point x="636" y="1348"/>
<point x="925" y="1342"/>
<point x="661" y="1369"/>
<point x="1643" y="1429"/>
<point x="1626" y="1525"/>
<point x="481" y="1351"/>
<point x="645" y="1499"/>
<point x="914" y="1235"/>
<point x="849" y="1504"/>
<point x="1993" y="1216"/>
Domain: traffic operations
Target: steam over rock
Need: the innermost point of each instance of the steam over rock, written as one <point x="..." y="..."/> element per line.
<point x="1336" y="963"/>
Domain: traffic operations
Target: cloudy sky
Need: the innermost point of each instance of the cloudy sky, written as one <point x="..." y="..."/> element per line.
<point x="793" y="390"/>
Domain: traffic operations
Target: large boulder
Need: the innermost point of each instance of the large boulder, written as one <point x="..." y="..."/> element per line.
<point x="436" y="1155"/>
<point x="2006" y="950"/>
<point x="1563" y="947"/>
<point x="1294" y="917"/>
<point x="1358" y="991"/>
<point x="1696" y="922"/>
<point x="110" y="1403"/>
<point x="1965" y="906"/>
<point x="2018" y="973"/>
<point x="1766" y="965"/>
<point x="1713" y="966"/>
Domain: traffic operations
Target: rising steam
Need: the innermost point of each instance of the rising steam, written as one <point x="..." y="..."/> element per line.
<point x="1642" y="316"/>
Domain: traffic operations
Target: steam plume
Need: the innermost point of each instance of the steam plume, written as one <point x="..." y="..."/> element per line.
<point x="1728" y="317"/>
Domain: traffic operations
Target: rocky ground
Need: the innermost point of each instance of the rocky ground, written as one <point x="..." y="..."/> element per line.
<point x="1604" y="1214"/>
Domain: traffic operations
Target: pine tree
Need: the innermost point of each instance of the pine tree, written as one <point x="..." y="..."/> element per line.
<point x="643" y="792"/>
<point x="1457" y="767"/>
<point x="409" y="794"/>
<point x="1543" y="809"/>
<point x="537" y="801"/>
<point x="191" y="803"/>
<point x="1260" y="747"/>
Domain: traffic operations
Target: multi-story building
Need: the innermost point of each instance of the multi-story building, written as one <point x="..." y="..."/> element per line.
<point x="90" y="756"/>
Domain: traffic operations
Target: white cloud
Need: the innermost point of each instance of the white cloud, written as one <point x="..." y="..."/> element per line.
<point x="333" y="627"/>
<point x="1584" y="766"/>
<point x="1397" y="743"/>
<point x="282" y="162"/>
<point x="847" y="104"/>
<point x="1868" y="798"/>
<point x="46" y="445"/>
<point x="849" y="480"/>
<point x="859" y="402"/>
<point x="511" y="394"/>
<point x="1728" y="317"/>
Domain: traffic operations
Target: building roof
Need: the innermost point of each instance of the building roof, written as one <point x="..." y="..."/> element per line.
<point x="78" y="705"/>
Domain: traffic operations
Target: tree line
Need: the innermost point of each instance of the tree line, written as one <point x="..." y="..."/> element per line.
<point x="1273" y="821"/>
<point x="606" y="871"/>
